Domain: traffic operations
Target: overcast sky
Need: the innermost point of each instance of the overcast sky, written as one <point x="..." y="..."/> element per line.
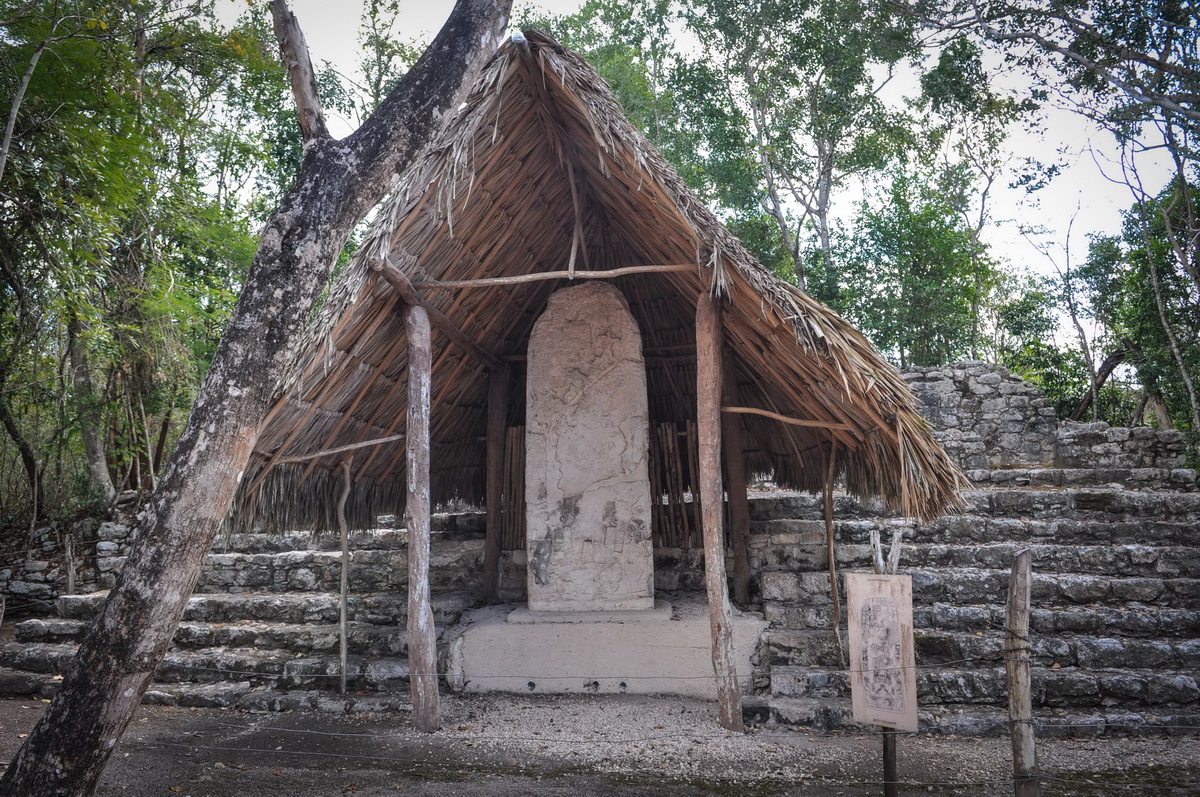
<point x="1081" y="192"/>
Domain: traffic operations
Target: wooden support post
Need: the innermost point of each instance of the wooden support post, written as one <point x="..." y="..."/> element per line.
<point x="497" y="421"/>
<point x="708" y="423"/>
<point x="735" y="468"/>
<point x="1026" y="780"/>
<point x="344" y="594"/>
<point x="408" y="294"/>
<point x="891" y="778"/>
<point x="422" y="636"/>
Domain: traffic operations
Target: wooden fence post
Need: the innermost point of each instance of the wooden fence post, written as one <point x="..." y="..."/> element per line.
<point x="422" y="636"/>
<point x="497" y="420"/>
<point x="708" y="424"/>
<point x="1026" y="780"/>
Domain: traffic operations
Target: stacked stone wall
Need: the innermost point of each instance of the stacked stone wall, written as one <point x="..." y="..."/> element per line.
<point x="987" y="418"/>
<point x="1098" y="445"/>
<point x="984" y="416"/>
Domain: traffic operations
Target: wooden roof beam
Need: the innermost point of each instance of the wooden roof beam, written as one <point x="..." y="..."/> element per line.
<point x="787" y="419"/>
<point x="517" y="279"/>
<point x="408" y="294"/>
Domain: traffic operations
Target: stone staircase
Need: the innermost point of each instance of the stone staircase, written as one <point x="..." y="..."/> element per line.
<point x="1116" y="596"/>
<point x="262" y="633"/>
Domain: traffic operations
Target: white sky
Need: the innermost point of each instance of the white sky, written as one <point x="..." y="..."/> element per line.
<point x="1080" y="192"/>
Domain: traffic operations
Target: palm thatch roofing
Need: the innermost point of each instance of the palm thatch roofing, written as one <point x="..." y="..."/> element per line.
<point x="538" y="170"/>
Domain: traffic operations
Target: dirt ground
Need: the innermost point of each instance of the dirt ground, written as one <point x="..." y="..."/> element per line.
<point x="609" y="745"/>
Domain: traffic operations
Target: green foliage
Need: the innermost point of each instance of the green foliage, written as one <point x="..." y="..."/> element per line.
<point x="129" y="167"/>
<point x="913" y="275"/>
<point x="1026" y="331"/>
<point x="1139" y="289"/>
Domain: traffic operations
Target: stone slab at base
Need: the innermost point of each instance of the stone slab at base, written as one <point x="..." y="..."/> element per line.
<point x="526" y="616"/>
<point x="666" y="650"/>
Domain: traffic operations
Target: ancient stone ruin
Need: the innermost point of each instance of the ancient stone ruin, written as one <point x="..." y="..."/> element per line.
<point x="1110" y="514"/>
<point x="587" y="482"/>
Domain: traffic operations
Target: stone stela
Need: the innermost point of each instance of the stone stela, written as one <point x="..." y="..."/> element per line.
<point x="587" y="467"/>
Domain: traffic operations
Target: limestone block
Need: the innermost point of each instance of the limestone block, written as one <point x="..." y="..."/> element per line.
<point x="587" y="461"/>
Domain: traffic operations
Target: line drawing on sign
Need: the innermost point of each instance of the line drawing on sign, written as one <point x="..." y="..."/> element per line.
<point x="883" y="676"/>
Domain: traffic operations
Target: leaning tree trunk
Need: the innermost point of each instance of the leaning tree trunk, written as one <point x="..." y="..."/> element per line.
<point x="339" y="182"/>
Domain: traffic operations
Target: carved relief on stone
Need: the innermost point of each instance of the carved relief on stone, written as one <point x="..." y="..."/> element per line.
<point x="587" y="456"/>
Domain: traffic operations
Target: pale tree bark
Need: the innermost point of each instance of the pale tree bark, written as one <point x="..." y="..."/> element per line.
<point x="339" y="182"/>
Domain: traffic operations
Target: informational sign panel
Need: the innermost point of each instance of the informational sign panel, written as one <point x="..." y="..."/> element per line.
<point x="883" y="678"/>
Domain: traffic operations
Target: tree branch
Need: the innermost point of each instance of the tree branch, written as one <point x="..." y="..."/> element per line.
<point x="16" y="104"/>
<point x="293" y="51"/>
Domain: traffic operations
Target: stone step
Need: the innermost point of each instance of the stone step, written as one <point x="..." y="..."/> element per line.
<point x="974" y="585"/>
<point x="962" y="529"/>
<point x="245" y="694"/>
<point x="445" y="528"/>
<point x="1138" y="623"/>
<point x="1119" y="560"/>
<point x="380" y="570"/>
<point x="1097" y="503"/>
<point x="1180" y="479"/>
<point x="1067" y="687"/>
<point x="939" y="647"/>
<point x="242" y="695"/>
<point x="288" y="607"/>
<point x="364" y="638"/>
<point x="271" y="668"/>
<point x="834" y="714"/>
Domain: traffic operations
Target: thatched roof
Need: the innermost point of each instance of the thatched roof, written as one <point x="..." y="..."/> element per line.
<point x="540" y="154"/>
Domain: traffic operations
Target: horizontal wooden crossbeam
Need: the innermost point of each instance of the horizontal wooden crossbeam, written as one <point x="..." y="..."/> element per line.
<point x="786" y="419"/>
<point x="517" y="279"/>
<point x="341" y="449"/>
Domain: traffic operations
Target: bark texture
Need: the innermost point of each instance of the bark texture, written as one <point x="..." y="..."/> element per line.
<point x="708" y="422"/>
<point x="422" y="634"/>
<point x="339" y="181"/>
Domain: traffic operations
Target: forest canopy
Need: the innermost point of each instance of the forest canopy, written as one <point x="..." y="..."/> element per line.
<point x="145" y="142"/>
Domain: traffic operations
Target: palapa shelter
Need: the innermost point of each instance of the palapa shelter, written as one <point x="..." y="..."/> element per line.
<point x="537" y="182"/>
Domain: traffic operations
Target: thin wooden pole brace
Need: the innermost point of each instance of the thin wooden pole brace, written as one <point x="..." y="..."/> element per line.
<point x="708" y="423"/>
<point x="733" y="446"/>
<point x="1026" y="780"/>
<point x="787" y="419"/>
<point x="422" y="635"/>
<point x="518" y="279"/>
<point x="341" y="449"/>
<point x="344" y="594"/>
<point x="497" y="421"/>
<point x="831" y="554"/>
<point x="408" y="294"/>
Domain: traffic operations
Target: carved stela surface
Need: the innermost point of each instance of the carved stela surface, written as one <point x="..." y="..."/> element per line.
<point x="586" y="435"/>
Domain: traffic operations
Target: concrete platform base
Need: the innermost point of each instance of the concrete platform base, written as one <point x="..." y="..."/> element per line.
<point x="664" y="650"/>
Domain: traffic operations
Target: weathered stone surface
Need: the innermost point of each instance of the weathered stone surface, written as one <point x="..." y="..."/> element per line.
<point x="587" y="481"/>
